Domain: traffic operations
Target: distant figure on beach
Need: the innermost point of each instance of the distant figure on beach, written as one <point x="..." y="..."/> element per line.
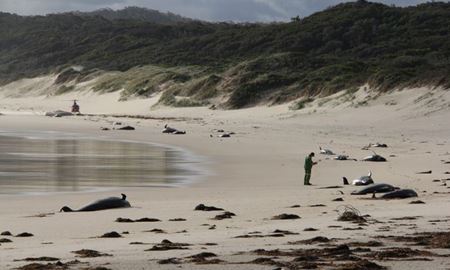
<point x="308" y="167"/>
<point x="75" y="107"/>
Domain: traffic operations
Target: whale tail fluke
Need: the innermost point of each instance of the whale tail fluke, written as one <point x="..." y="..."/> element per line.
<point x="66" y="209"/>
<point x="124" y="197"/>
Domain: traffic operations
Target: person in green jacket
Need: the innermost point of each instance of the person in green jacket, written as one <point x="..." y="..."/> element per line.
<point x="308" y="167"/>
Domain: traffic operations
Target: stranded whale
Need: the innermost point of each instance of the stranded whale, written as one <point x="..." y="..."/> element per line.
<point x="108" y="203"/>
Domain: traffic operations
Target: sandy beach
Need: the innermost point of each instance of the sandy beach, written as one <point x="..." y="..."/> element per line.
<point x="256" y="174"/>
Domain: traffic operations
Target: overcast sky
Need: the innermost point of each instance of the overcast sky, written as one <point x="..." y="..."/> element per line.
<point x="210" y="10"/>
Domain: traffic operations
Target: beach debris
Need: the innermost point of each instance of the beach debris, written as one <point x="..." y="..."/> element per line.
<point x="212" y="227"/>
<point x="374" y="188"/>
<point x="169" y="261"/>
<point x="6" y="233"/>
<point x="311" y="241"/>
<point x="375" y="158"/>
<point x="5" y="240"/>
<point x="224" y="215"/>
<point x="338" y="200"/>
<point x="42" y="215"/>
<point x="400" y="194"/>
<point x="366" y="244"/>
<point x="124" y="220"/>
<point x="202" y="258"/>
<point x="169" y="130"/>
<point x="38" y="266"/>
<point x="168" y="245"/>
<point x="145" y="219"/>
<point x="285" y="232"/>
<point x="125" y="128"/>
<point x="425" y="172"/>
<point x="317" y="205"/>
<point x="25" y="234"/>
<point x="104" y="128"/>
<point x="156" y="231"/>
<point x="363" y="180"/>
<point x="58" y="113"/>
<point x="260" y="235"/>
<point x="112" y="234"/>
<point x="330" y="187"/>
<point x="202" y="207"/>
<point x="89" y="253"/>
<point x="177" y="219"/>
<point x="399" y="252"/>
<point x="285" y="216"/>
<point x="350" y="213"/>
<point x="40" y="259"/>
<point x="326" y="151"/>
<point x="361" y="264"/>
<point x="417" y="202"/>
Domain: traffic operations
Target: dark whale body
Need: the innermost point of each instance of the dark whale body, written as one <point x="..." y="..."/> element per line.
<point x="103" y="204"/>
<point x="400" y="194"/>
<point x="374" y="188"/>
<point x="374" y="158"/>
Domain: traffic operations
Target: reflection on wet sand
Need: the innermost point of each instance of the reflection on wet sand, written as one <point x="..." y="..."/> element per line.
<point x="47" y="165"/>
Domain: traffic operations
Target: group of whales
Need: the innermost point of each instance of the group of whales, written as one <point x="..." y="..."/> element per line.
<point x="390" y="192"/>
<point x="375" y="157"/>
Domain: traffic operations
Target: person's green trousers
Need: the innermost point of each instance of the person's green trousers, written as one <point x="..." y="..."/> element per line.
<point x="307" y="177"/>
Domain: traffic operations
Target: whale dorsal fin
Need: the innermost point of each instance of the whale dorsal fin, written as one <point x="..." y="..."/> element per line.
<point x="370" y="174"/>
<point x="124" y="197"/>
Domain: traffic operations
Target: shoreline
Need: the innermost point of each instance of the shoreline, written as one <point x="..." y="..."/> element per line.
<point x="188" y="161"/>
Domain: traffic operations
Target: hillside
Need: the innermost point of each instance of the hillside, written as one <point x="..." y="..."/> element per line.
<point x="234" y="65"/>
<point x="137" y="14"/>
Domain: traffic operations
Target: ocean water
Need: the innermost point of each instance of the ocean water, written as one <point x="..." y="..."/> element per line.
<point x="41" y="162"/>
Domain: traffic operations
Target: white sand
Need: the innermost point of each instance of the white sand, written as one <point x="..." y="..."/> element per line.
<point x="256" y="174"/>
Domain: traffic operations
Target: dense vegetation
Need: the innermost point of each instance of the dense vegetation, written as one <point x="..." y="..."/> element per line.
<point x="340" y="48"/>
<point x="137" y="14"/>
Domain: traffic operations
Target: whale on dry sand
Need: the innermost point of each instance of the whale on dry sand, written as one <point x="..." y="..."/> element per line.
<point x="400" y="194"/>
<point x="103" y="204"/>
<point x="375" y="157"/>
<point x="326" y="151"/>
<point x="363" y="180"/>
<point x="374" y="188"/>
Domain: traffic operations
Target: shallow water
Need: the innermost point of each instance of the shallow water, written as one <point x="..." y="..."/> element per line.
<point x="52" y="162"/>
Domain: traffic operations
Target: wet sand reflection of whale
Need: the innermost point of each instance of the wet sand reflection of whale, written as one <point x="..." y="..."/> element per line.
<point x="108" y="203"/>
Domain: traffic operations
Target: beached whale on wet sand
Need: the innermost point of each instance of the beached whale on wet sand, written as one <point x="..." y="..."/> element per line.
<point x="103" y="204"/>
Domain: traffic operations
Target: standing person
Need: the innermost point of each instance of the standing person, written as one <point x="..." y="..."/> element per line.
<point x="308" y="167"/>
